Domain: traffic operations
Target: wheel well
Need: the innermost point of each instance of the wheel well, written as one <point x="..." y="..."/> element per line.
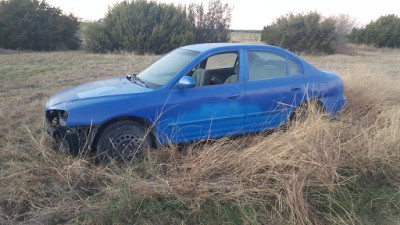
<point x="315" y="100"/>
<point x="319" y="103"/>
<point x="305" y="103"/>
<point x="146" y="124"/>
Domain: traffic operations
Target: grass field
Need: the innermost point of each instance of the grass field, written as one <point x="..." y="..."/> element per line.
<point x="246" y="37"/>
<point x="321" y="171"/>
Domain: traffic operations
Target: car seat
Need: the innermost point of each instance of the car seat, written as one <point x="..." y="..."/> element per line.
<point x="202" y="77"/>
<point x="233" y="78"/>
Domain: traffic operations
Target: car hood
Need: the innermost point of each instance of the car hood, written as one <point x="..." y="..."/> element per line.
<point x="102" y="88"/>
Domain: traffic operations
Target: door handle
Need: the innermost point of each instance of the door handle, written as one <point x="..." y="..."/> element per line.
<point x="234" y="95"/>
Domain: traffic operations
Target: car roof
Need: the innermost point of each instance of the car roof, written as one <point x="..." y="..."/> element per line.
<point x="208" y="46"/>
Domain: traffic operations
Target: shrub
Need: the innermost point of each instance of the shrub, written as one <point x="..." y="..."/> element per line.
<point x="97" y="38"/>
<point x="141" y="27"/>
<point x="384" y="32"/>
<point x="212" y="26"/>
<point x="35" y="25"/>
<point x="308" y="33"/>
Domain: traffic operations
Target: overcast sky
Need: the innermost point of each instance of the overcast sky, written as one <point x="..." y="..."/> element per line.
<point x="254" y="14"/>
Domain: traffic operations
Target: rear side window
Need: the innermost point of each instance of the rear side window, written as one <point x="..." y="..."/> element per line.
<point x="266" y="65"/>
<point x="293" y="67"/>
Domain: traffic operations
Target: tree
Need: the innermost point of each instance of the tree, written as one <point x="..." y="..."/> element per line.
<point x="97" y="38"/>
<point x="212" y="26"/>
<point x="384" y="32"/>
<point x="308" y="33"/>
<point x="344" y="24"/>
<point x="33" y="24"/>
<point x="141" y="27"/>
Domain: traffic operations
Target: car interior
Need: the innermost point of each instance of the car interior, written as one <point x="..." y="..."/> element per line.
<point x="218" y="73"/>
<point x="264" y="65"/>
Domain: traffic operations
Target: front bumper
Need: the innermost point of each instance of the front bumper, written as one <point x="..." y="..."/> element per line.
<point x="76" y="140"/>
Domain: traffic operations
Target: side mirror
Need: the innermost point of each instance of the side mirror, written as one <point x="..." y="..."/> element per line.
<point x="186" y="82"/>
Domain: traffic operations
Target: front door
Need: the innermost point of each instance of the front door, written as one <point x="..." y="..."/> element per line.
<point x="213" y="108"/>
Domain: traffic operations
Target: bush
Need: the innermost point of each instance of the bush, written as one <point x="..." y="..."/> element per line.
<point x="212" y="26"/>
<point x="308" y="33"/>
<point x="97" y="38"/>
<point x="384" y="32"/>
<point x="35" y="25"/>
<point x="141" y="27"/>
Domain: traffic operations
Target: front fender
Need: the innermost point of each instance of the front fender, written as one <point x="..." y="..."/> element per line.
<point x="97" y="111"/>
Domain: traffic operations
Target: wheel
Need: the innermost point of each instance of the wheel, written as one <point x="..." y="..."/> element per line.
<point x="303" y="111"/>
<point x="122" y="141"/>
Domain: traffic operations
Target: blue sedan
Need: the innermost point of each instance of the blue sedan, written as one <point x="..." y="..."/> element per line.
<point x="192" y="93"/>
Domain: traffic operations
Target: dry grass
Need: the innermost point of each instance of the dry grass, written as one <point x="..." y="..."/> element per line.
<point x="246" y="37"/>
<point x="343" y="170"/>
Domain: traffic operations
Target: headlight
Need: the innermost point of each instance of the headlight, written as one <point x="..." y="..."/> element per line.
<point x="62" y="116"/>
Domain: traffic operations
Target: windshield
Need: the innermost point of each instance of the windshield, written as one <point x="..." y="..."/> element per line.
<point x="164" y="69"/>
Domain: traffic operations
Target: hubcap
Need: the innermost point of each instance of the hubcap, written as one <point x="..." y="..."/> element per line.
<point x="126" y="146"/>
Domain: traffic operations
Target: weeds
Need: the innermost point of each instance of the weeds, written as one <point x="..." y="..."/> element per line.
<point x="343" y="170"/>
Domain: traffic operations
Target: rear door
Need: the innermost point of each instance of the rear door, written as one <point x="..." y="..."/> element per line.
<point x="274" y="86"/>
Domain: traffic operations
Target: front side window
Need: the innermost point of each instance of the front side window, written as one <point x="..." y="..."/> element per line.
<point x="266" y="65"/>
<point x="221" y="68"/>
<point x="220" y="61"/>
<point x="164" y="69"/>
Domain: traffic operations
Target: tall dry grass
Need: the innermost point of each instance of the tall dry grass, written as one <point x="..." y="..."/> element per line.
<point x="323" y="170"/>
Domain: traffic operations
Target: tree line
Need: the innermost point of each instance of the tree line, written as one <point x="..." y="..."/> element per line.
<point x="143" y="26"/>
<point x="150" y="27"/>
<point x="313" y="33"/>
<point x="384" y="32"/>
<point x="138" y="26"/>
<point x="35" y="25"/>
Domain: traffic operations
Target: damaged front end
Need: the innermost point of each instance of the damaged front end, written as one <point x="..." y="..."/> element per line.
<point x="77" y="140"/>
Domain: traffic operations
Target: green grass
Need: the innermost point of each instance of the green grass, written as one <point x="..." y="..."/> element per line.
<point x="366" y="201"/>
<point x="125" y="208"/>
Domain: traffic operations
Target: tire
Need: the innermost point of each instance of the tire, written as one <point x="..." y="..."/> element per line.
<point x="122" y="141"/>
